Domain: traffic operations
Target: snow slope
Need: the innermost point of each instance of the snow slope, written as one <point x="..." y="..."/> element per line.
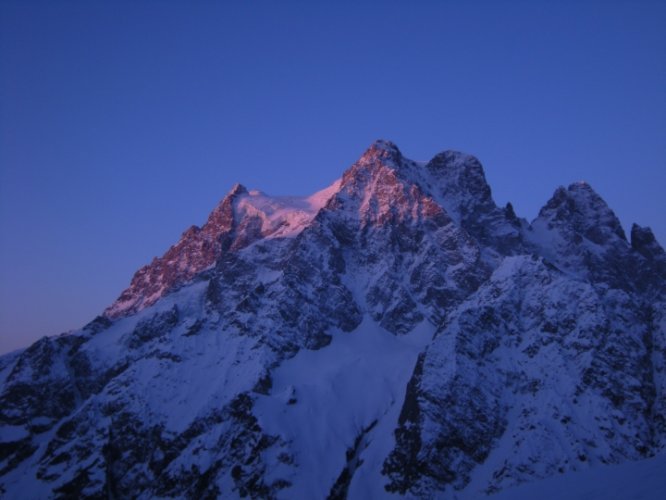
<point x="640" y="480"/>
<point x="354" y="384"/>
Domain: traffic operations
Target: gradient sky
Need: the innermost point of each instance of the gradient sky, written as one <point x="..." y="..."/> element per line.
<point x="123" y="123"/>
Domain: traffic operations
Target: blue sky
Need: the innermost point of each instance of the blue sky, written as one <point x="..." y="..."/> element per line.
<point x="123" y="123"/>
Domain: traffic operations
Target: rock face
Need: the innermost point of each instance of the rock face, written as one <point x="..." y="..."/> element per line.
<point x="395" y="333"/>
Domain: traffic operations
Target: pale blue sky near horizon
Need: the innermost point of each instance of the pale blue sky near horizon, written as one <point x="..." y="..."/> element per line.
<point x="123" y="123"/>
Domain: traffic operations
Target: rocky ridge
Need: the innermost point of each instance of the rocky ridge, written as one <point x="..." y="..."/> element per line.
<point x="394" y="334"/>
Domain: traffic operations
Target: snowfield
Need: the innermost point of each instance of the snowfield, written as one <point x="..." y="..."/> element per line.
<point x="641" y="480"/>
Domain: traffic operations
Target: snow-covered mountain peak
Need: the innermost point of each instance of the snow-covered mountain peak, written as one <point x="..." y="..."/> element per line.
<point x="240" y="219"/>
<point x="396" y="332"/>
<point x="578" y="232"/>
<point x="581" y="209"/>
<point x="455" y="179"/>
<point x="382" y="187"/>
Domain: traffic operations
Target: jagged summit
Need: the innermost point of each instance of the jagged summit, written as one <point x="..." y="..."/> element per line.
<point x="579" y="212"/>
<point x="237" y="189"/>
<point x="380" y="155"/>
<point x="240" y="219"/>
<point x="383" y="148"/>
<point x="396" y="332"/>
<point x="652" y="271"/>
<point x="461" y="184"/>
<point x="580" y="207"/>
<point x="386" y="185"/>
<point x="579" y="233"/>
<point x="643" y="241"/>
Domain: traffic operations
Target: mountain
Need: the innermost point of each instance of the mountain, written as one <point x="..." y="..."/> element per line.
<point x="397" y="333"/>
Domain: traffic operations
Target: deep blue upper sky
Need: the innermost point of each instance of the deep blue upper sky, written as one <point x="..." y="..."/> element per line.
<point x="123" y="123"/>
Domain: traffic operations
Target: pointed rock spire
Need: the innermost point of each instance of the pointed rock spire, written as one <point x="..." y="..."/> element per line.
<point x="237" y="189"/>
<point x="644" y="242"/>
<point x="222" y="217"/>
